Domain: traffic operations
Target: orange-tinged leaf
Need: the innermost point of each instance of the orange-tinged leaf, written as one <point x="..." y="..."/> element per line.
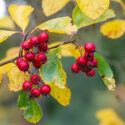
<point x="20" y="14"/>
<point x="113" y="29"/>
<point x="93" y="8"/>
<point x="50" y="6"/>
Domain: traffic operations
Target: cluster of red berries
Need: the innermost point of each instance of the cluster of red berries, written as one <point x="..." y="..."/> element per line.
<point x="87" y="62"/>
<point x="37" y="59"/>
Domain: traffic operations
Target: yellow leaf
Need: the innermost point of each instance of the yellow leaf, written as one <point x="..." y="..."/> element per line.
<point x="1" y="78"/>
<point x="50" y="6"/>
<point x="4" y="34"/>
<point x="59" y="25"/>
<point x="62" y="95"/>
<point x="93" y="8"/>
<point x="20" y="14"/>
<point x="113" y="29"/>
<point x="6" y="22"/>
<point x="13" y="52"/>
<point x="17" y="78"/>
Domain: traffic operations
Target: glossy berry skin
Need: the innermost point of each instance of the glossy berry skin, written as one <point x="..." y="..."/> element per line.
<point x="26" y="45"/>
<point x="45" y="90"/>
<point x="84" y="69"/>
<point x="23" y="65"/>
<point x="89" y="56"/>
<point x="27" y="86"/>
<point x="90" y="73"/>
<point x="43" y="47"/>
<point x="43" y="37"/>
<point x="34" y="41"/>
<point x="35" y="79"/>
<point x="42" y="58"/>
<point x="29" y="56"/>
<point x="37" y="64"/>
<point x="81" y="61"/>
<point x="89" y="47"/>
<point x="19" y="60"/>
<point x="95" y="62"/>
<point x="75" y="68"/>
<point x="90" y="64"/>
<point x="35" y="93"/>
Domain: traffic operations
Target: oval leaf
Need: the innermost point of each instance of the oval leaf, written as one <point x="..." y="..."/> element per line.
<point x="105" y="73"/>
<point x="81" y="20"/>
<point x="50" y="6"/>
<point x="20" y="14"/>
<point x="59" y="25"/>
<point x="93" y="8"/>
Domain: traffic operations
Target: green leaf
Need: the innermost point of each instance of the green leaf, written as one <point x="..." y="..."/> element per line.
<point x="53" y="71"/>
<point x="105" y="72"/>
<point x="81" y="20"/>
<point x="33" y="112"/>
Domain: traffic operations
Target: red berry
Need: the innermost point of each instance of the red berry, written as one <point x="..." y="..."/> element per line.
<point x="45" y="90"/>
<point x="27" y="86"/>
<point x="81" y="61"/>
<point x="89" y="47"/>
<point x="35" y="79"/>
<point x="75" y="68"/>
<point x="90" y="73"/>
<point x="42" y="58"/>
<point x="43" y="37"/>
<point x="19" y="60"/>
<point x="88" y="56"/>
<point x="84" y="68"/>
<point x="35" y="92"/>
<point x="26" y="45"/>
<point x="43" y="47"/>
<point x="95" y="62"/>
<point x="34" y="41"/>
<point x="23" y="65"/>
<point x="90" y="64"/>
<point x="37" y="64"/>
<point x="29" y="56"/>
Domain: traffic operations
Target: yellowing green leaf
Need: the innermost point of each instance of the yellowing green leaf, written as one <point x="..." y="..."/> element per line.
<point x="13" y="52"/>
<point x="20" y="14"/>
<point x="17" y="78"/>
<point x="81" y="20"/>
<point x="4" y="34"/>
<point x="59" y="25"/>
<point x="93" y="8"/>
<point x="6" y="22"/>
<point x="62" y="95"/>
<point x="50" y="7"/>
<point x="113" y="29"/>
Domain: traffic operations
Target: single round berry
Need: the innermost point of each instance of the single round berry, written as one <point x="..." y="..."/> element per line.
<point x="89" y="47"/>
<point x="43" y="37"/>
<point x="35" y="79"/>
<point x="27" y="86"/>
<point x="35" y="92"/>
<point x="75" y="68"/>
<point x="90" y="73"/>
<point x="81" y="61"/>
<point x="37" y="64"/>
<point x="26" y="45"/>
<point x="90" y="64"/>
<point x="23" y="65"/>
<point x="34" y="41"/>
<point x="29" y="56"/>
<point x="19" y="60"/>
<point x="43" y="47"/>
<point x="42" y="58"/>
<point x="89" y="56"/>
<point x="45" y="90"/>
<point x="95" y="62"/>
<point x="84" y="68"/>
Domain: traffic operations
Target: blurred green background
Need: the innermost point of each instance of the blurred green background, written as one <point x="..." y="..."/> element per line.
<point x="88" y="94"/>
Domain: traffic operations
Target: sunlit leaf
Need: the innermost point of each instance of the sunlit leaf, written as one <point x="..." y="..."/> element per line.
<point x="105" y="73"/>
<point x="6" y="22"/>
<point x="113" y="29"/>
<point x="16" y="78"/>
<point x="81" y="20"/>
<point x="93" y="8"/>
<point x="20" y="14"/>
<point x="59" y="25"/>
<point x="4" y="34"/>
<point x="50" y="6"/>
